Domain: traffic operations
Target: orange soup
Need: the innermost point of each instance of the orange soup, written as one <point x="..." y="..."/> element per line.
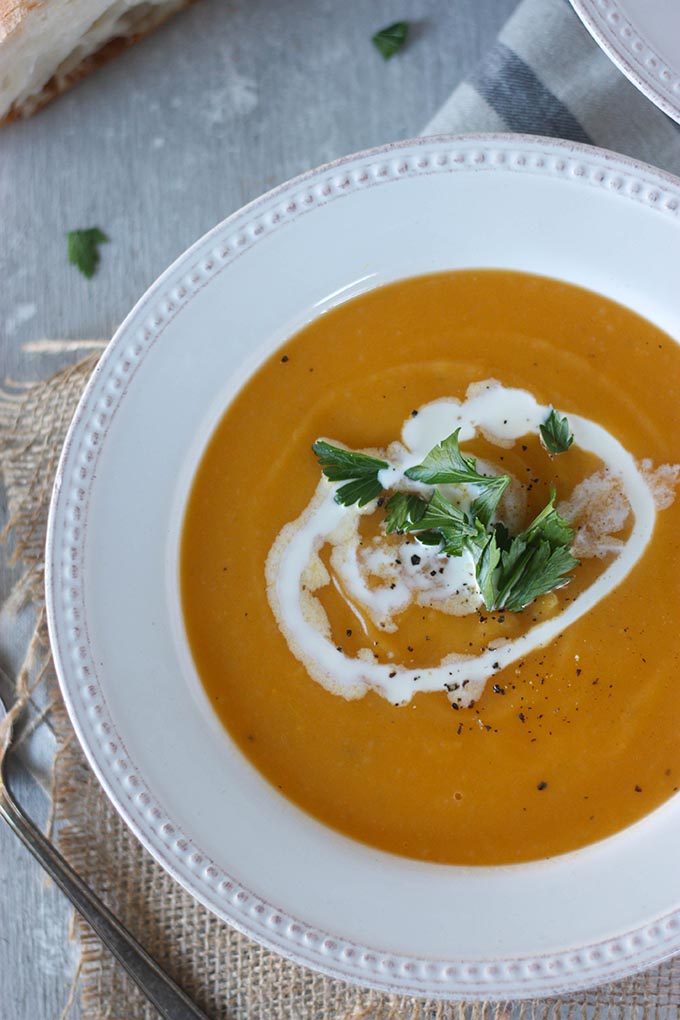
<point x="448" y="728"/>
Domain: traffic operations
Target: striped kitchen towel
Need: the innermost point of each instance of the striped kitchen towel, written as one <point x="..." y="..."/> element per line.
<point x="547" y="76"/>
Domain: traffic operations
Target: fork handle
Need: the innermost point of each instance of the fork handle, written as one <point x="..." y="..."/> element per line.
<point x="168" y="998"/>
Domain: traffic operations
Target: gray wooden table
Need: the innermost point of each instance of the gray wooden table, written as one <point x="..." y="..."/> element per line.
<point x="230" y="98"/>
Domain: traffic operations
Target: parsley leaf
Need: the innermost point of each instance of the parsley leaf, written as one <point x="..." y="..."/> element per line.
<point x="403" y="509"/>
<point x="487" y="559"/>
<point x="404" y="513"/>
<point x="429" y="538"/>
<point x="511" y="571"/>
<point x="535" y="561"/>
<point x="83" y="249"/>
<point x="358" y="469"/>
<point x="550" y="525"/>
<point x="549" y="571"/>
<point x="556" y="434"/>
<point x="390" y="40"/>
<point x="484" y="506"/>
<point x="440" y="513"/>
<point x="446" y="465"/>
<point x="451" y="523"/>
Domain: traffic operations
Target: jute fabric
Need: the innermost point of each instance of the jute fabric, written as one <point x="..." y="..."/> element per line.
<point x="231" y="977"/>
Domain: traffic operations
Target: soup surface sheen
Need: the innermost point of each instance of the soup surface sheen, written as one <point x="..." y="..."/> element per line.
<point x="566" y="744"/>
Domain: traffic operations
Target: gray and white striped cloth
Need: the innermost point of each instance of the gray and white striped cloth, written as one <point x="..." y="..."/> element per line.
<point x="546" y="76"/>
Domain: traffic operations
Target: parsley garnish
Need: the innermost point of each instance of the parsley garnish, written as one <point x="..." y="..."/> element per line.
<point x="534" y="562"/>
<point x="358" y="469"/>
<point x="403" y="510"/>
<point x="83" y="249"/>
<point x="487" y="556"/>
<point x="446" y="465"/>
<point x="391" y="39"/>
<point x="556" y="434"/>
<point x="452" y="524"/>
<point x="511" y="571"/>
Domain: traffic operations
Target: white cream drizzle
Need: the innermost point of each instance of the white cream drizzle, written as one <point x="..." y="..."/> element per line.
<point x="294" y="570"/>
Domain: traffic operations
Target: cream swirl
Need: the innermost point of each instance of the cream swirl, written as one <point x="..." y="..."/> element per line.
<point x="382" y="583"/>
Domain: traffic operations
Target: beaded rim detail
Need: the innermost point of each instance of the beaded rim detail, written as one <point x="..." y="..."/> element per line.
<point x="632" y="53"/>
<point x="498" y="978"/>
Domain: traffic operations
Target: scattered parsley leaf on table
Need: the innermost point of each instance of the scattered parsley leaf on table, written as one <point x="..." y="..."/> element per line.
<point x="390" y="40"/>
<point x="83" y="249"/>
<point x="556" y="434"/>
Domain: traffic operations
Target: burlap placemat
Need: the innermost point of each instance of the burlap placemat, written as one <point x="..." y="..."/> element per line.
<point x="231" y="977"/>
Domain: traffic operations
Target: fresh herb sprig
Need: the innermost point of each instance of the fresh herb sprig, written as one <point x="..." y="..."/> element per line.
<point x="511" y="571"/>
<point x="556" y="434"/>
<point x="404" y="509"/>
<point x="446" y="465"/>
<point x="358" y="469"/>
<point x="533" y="563"/>
<point x="435" y="521"/>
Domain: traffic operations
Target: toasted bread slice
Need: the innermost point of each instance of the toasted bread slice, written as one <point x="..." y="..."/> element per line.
<point x="46" y="46"/>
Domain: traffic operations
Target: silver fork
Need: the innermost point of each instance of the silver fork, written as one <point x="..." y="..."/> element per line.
<point x="168" y="998"/>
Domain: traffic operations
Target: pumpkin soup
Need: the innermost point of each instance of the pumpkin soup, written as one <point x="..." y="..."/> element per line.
<point x="428" y="568"/>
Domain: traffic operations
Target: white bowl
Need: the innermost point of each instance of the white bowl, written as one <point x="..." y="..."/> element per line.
<point x="251" y="856"/>
<point x="642" y="37"/>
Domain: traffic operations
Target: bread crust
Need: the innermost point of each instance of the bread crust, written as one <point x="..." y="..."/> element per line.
<point x="13" y="11"/>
